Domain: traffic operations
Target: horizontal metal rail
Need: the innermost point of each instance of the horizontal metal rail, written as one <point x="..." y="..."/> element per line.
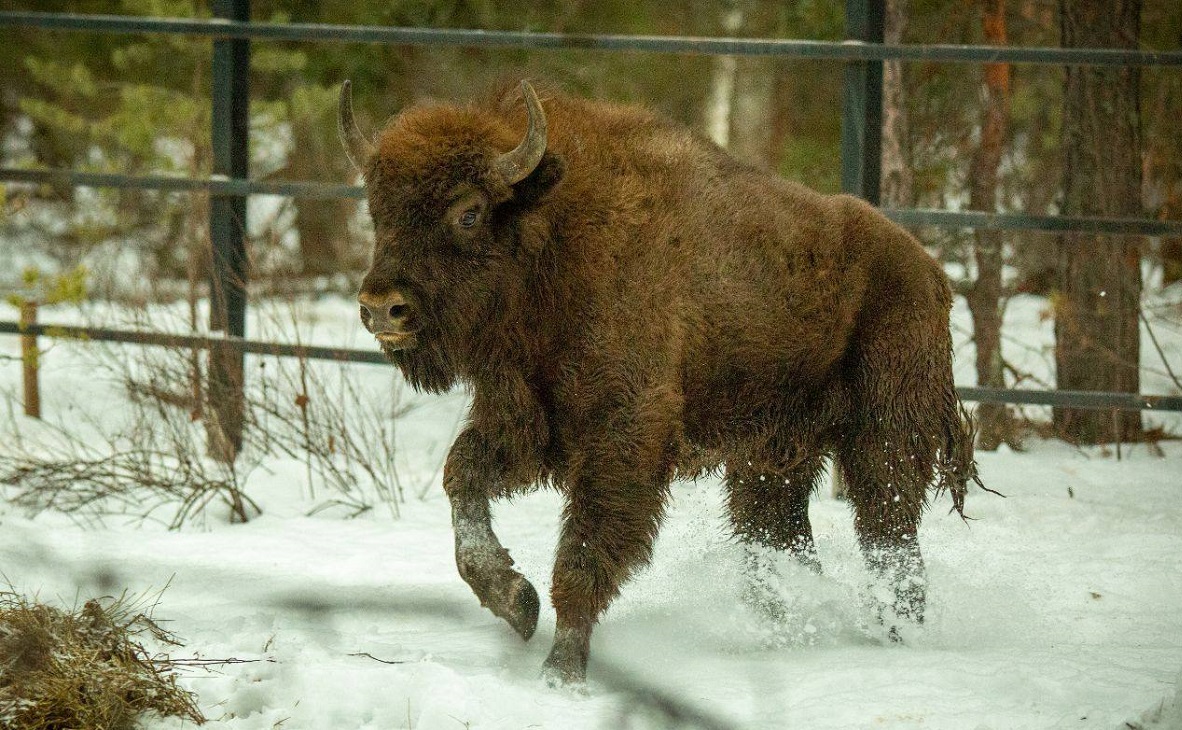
<point x="1023" y="222"/>
<point x="1066" y="398"/>
<point x="908" y="217"/>
<point x="212" y="185"/>
<point x="805" y="49"/>
<point x="1102" y="401"/>
<point x="193" y="342"/>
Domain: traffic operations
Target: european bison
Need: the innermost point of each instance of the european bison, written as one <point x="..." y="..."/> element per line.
<point x="628" y="305"/>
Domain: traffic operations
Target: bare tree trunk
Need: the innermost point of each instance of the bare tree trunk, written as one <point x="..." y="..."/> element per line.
<point x="898" y="186"/>
<point x="197" y="262"/>
<point x="720" y="105"/>
<point x="1097" y="337"/>
<point x="1171" y="260"/>
<point x="753" y="118"/>
<point x="780" y="124"/>
<point x="322" y="225"/>
<point x="984" y="299"/>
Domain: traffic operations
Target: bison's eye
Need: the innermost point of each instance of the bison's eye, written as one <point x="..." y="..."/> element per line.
<point x="470" y="217"/>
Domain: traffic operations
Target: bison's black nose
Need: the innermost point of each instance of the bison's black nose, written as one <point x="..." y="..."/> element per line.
<point x="385" y="313"/>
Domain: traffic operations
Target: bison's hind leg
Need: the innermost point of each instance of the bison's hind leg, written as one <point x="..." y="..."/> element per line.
<point x="887" y="472"/>
<point x="769" y="510"/>
<point x="902" y="390"/>
<point x="887" y="482"/>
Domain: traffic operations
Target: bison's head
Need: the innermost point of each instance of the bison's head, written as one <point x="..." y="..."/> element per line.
<point x="454" y="209"/>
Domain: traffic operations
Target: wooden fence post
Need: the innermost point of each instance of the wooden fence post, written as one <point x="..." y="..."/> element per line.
<point x="29" y="358"/>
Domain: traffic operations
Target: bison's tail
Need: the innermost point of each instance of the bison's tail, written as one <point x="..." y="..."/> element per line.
<point x="955" y="465"/>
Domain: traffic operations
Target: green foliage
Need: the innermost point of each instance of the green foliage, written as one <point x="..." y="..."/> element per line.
<point x="69" y="287"/>
<point x="137" y="104"/>
<point x="75" y="77"/>
<point x="66" y="288"/>
<point x="809" y="160"/>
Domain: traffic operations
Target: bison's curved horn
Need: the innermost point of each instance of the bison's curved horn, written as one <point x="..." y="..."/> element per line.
<point x="516" y="165"/>
<point x="357" y="147"/>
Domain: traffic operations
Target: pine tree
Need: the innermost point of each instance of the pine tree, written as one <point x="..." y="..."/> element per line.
<point x="1097" y="333"/>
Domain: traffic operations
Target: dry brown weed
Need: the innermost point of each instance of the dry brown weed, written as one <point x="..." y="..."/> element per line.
<point x="84" y="669"/>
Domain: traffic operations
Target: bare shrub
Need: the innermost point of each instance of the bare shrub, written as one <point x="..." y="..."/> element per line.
<point x="149" y="460"/>
<point x="319" y="414"/>
<point x="154" y="453"/>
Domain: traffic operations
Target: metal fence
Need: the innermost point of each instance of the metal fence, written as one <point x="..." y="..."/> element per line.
<point x="232" y="32"/>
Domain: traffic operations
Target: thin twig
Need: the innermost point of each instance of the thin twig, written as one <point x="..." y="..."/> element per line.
<point x="199" y="662"/>
<point x="1157" y="346"/>
<point x="367" y="655"/>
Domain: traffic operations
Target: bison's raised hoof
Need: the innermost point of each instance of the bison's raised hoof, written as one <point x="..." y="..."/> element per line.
<point x="501" y="590"/>
<point x="514" y="599"/>
<point x="523" y="608"/>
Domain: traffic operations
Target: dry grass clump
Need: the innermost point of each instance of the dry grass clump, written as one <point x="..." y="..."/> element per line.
<point x="86" y="669"/>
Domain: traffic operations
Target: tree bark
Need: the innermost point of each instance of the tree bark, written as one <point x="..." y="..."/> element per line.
<point x="898" y="185"/>
<point x="753" y="118"/>
<point x="1097" y="337"/>
<point x="322" y="225"/>
<point x="780" y="125"/>
<point x="1171" y="260"/>
<point x="984" y="299"/>
<point x="721" y="103"/>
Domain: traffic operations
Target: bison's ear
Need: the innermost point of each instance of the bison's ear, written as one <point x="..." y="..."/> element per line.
<point x="529" y="192"/>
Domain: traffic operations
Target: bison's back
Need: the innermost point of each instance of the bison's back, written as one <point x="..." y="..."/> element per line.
<point x="751" y="286"/>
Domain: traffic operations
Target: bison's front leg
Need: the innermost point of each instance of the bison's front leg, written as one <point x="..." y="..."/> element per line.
<point x="470" y="475"/>
<point x="608" y="532"/>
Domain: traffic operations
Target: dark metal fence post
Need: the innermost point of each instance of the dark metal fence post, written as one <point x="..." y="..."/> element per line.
<point x="227" y="230"/>
<point x="861" y="120"/>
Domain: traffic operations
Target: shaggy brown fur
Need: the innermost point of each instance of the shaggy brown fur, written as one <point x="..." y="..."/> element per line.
<point x="641" y="306"/>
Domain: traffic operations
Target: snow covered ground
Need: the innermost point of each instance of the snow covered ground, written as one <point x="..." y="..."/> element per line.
<point x="1059" y="606"/>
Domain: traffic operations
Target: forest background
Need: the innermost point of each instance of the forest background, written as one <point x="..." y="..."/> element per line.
<point x="999" y="137"/>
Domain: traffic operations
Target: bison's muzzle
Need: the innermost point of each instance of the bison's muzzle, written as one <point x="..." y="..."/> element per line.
<point x="390" y="318"/>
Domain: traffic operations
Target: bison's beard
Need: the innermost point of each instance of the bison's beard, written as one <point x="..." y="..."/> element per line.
<point x="445" y="347"/>
<point x="426" y="367"/>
